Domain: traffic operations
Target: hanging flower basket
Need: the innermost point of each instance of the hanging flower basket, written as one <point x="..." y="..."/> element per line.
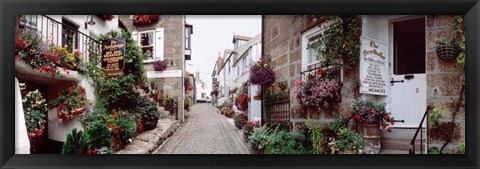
<point x="145" y="19"/>
<point x="447" y="51"/>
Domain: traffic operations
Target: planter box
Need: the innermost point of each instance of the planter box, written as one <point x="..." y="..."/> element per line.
<point x="58" y="128"/>
<point x="25" y="72"/>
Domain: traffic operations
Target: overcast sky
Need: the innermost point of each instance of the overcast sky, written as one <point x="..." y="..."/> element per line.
<point x="213" y="34"/>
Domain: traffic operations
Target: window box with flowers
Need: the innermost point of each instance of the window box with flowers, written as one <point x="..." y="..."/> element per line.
<point x="317" y="91"/>
<point x="70" y="102"/>
<point x="139" y="20"/>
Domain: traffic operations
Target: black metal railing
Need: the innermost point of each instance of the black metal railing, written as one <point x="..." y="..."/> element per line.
<point x="62" y="34"/>
<point x="411" y="147"/>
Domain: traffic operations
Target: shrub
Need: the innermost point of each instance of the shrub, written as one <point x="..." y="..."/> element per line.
<point x="250" y="127"/>
<point x="122" y="127"/>
<point x="148" y="113"/>
<point x="74" y="143"/>
<point x="435" y="116"/>
<point x="259" y="136"/>
<point x="98" y="138"/>
<point x="318" y="139"/>
<point x="346" y="140"/>
<point x="284" y="142"/>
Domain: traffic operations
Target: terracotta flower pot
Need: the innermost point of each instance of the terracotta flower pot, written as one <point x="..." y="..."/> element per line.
<point x="371" y="130"/>
<point x="258" y="97"/>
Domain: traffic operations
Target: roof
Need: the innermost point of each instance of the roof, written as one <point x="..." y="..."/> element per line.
<point x="238" y="52"/>
<point x="240" y="37"/>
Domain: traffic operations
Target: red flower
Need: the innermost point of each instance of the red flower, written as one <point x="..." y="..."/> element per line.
<point x="20" y="43"/>
<point x="115" y="115"/>
<point x="356" y="117"/>
<point x="389" y="130"/>
<point x="320" y="72"/>
<point x="371" y="111"/>
<point x="82" y="90"/>
<point x="392" y="122"/>
<point x="384" y="126"/>
<point x="386" y="117"/>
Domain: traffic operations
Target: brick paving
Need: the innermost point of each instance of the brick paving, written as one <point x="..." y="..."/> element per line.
<point x="206" y="132"/>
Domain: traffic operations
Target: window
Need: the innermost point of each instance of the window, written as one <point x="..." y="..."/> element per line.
<point x="147" y="44"/>
<point x="188" y="32"/>
<point x="203" y="95"/>
<point x="310" y="53"/>
<point x="28" y="21"/>
<point x="244" y="62"/>
<point x="229" y="67"/>
<point x="69" y="35"/>
<point x="238" y="70"/>
<point x="151" y="43"/>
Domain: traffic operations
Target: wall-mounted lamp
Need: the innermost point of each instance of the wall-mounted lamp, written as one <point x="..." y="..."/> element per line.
<point x="172" y="64"/>
<point x="91" y="22"/>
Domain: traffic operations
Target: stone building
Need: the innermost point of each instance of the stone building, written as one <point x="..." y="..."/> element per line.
<point x="413" y="78"/>
<point x="165" y="37"/>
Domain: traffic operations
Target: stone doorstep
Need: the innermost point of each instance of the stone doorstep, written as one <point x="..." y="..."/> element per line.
<point x="398" y="144"/>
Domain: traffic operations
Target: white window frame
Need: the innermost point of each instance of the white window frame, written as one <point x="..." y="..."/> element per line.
<point x="153" y="44"/>
<point x="305" y="42"/>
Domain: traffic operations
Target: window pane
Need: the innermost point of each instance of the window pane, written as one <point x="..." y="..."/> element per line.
<point x="312" y="55"/>
<point x="146" y="39"/>
<point x="148" y="51"/>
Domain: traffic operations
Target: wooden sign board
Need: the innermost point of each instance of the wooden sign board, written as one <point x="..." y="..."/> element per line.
<point x="373" y="67"/>
<point x="113" y="56"/>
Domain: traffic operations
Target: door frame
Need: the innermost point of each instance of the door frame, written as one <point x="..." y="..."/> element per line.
<point x="391" y="20"/>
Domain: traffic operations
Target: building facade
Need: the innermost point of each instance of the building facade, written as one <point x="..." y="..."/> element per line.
<point x="413" y="76"/>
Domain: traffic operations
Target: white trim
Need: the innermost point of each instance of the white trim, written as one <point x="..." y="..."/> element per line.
<point x="307" y="34"/>
<point x="139" y="37"/>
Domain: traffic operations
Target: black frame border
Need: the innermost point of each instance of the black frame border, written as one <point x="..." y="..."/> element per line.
<point x="10" y="8"/>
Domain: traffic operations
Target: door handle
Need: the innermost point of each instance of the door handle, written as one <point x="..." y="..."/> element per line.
<point x="392" y="81"/>
<point x="408" y="77"/>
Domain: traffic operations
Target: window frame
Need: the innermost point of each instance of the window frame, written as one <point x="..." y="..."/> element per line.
<point x="139" y="38"/>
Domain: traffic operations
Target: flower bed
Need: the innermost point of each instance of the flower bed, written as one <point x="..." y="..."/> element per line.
<point x="240" y="120"/>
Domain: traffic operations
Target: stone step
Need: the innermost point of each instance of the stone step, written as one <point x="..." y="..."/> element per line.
<point x="400" y="144"/>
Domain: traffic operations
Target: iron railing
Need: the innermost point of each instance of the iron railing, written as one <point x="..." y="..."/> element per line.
<point x="411" y="147"/>
<point x="62" y="33"/>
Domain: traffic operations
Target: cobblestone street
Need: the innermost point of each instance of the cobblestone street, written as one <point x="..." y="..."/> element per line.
<point x="206" y="132"/>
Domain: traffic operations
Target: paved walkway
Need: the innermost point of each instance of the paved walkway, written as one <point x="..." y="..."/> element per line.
<point x="206" y="132"/>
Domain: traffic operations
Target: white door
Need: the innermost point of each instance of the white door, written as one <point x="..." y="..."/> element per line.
<point x="408" y="97"/>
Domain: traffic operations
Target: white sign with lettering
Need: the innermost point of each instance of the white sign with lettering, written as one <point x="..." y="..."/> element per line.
<point x="165" y="73"/>
<point x="373" y="69"/>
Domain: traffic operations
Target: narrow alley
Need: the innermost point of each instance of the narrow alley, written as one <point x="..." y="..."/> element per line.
<point x="206" y="132"/>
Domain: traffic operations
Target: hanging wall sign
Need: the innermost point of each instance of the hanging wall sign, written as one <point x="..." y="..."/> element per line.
<point x="373" y="69"/>
<point x="113" y="56"/>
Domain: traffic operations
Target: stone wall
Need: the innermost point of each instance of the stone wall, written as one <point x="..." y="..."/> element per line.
<point x="173" y="51"/>
<point x="282" y="44"/>
<point x="444" y="80"/>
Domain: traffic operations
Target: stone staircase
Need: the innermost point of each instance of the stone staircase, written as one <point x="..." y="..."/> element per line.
<point x="398" y="141"/>
<point x="164" y="114"/>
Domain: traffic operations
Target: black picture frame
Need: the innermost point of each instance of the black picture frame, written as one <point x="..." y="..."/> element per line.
<point x="11" y="8"/>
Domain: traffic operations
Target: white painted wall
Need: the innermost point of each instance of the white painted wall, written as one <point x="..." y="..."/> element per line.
<point x="22" y="143"/>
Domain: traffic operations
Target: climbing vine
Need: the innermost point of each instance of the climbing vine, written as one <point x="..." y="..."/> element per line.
<point x="460" y="35"/>
<point x="339" y="45"/>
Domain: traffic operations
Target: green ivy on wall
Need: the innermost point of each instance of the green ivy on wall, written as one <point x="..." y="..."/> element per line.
<point x="460" y="35"/>
<point x="339" y="45"/>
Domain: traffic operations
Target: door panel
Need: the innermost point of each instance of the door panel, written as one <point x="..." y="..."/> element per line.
<point x="408" y="99"/>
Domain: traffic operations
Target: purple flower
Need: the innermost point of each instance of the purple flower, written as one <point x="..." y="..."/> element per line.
<point x="160" y="65"/>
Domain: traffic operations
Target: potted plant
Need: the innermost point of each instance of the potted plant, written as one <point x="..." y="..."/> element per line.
<point x="259" y="136"/>
<point x="35" y="108"/>
<point x="261" y="74"/>
<point x="346" y="142"/>
<point x="372" y="117"/>
<point x="240" y="120"/>
<point x="249" y="128"/>
<point x="447" y="50"/>
<point x="70" y="102"/>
